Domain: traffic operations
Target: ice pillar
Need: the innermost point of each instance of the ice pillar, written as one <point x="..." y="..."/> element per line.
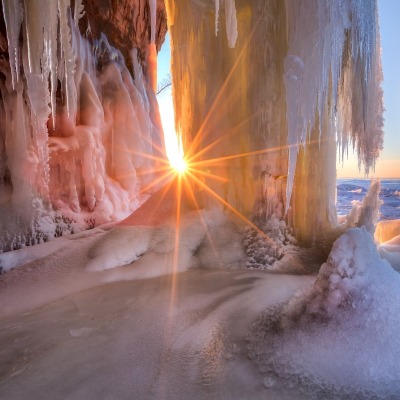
<point x="300" y="75"/>
<point x="217" y="97"/>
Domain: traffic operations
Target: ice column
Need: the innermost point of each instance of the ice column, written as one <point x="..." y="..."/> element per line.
<point x="13" y="16"/>
<point x="302" y="76"/>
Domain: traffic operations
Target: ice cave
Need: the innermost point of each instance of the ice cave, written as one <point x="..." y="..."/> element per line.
<point x="206" y="258"/>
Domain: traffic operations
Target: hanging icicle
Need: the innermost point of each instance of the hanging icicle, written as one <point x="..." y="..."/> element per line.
<point x="13" y="15"/>
<point x="230" y="20"/>
<point x="67" y="57"/>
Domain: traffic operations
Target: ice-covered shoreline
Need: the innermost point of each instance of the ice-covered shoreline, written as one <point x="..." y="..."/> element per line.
<point x="174" y="325"/>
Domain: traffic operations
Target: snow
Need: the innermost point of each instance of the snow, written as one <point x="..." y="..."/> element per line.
<point x="162" y="332"/>
<point x="337" y="338"/>
<point x="169" y="297"/>
<point x="174" y="323"/>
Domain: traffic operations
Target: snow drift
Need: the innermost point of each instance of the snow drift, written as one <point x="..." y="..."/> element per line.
<point x="339" y="337"/>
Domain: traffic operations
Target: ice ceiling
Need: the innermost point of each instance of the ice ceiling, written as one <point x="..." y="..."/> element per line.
<point x="264" y="92"/>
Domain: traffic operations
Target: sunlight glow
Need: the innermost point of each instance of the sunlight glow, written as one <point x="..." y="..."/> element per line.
<point x="174" y="149"/>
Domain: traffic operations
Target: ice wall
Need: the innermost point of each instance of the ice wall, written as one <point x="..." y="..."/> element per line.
<point x="78" y="129"/>
<point x="301" y="78"/>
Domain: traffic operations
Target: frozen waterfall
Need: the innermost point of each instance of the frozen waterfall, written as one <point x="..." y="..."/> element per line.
<point x="78" y="132"/>
<point x="302" y="78"/>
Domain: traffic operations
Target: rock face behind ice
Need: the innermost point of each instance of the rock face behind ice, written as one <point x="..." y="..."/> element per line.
<point x="126" y="23"/>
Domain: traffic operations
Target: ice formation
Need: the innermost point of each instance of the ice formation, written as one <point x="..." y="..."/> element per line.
<point x="338" y="338"/>
<point x="78" y="130"/>
<point x="366" y="212"/>
<point x="338" y="79"/>
<point x="263" y="107"/>
<point x="302" y="78"/>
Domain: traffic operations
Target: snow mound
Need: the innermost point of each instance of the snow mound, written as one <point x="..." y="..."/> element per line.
<point x="125" y="244"/>
<point x="204" y="237"/>
<point x="339" y="338"/>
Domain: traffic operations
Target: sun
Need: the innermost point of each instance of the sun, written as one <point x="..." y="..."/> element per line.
<point x="175" y="153"/>
<point x="180" y="165"/>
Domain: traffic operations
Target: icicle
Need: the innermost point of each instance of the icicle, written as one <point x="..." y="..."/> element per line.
<point x="216" y="16"/>
<point x="153" y="15"/>
<point x="231" y="22"/>
<point x="52" y="57"/>
<point x="67" y="58"/>
<point x="13" y="16"/>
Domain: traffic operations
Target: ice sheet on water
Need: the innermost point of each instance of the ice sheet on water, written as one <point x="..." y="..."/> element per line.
<point x="340" y="337"/>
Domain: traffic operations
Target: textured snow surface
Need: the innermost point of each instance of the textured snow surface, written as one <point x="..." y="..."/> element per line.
<point x="72" y="333"/>
<point x="78" y="322"/>
<point x="337" y="339"/>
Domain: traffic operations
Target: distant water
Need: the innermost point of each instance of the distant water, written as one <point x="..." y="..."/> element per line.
<point x="355" y="189"/>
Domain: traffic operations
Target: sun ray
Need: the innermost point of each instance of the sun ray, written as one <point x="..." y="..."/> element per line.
<point x="202" y="220"/>
<point x="220" y="93"/>
<point x="233" y="132"/>
<point x="152" y="184"/>
<point x="217" y="160"/>
<point x="208" y="174"/>
<point x="175" y="260"/>
<point x="150" y="171"/>
<point x="155" y="145"/>
<point x="229" y="206"/>
<point x="149" y="156"/>
<point x="205" y="149"/>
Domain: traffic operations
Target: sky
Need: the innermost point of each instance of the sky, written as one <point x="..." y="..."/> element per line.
<point x="388" y="165"/>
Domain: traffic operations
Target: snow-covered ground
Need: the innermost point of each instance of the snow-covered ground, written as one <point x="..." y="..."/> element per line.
<point x="116" y="313"/>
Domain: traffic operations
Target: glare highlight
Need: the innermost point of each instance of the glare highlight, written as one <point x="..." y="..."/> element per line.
<point x="174" y="150"/>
